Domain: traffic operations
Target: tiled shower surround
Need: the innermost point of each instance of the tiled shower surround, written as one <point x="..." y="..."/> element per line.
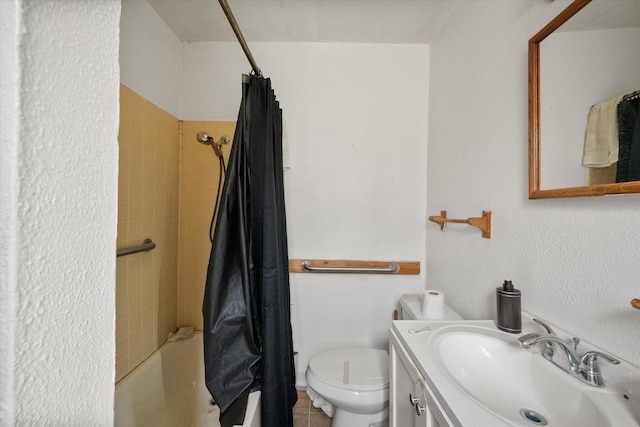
<point x="166" y="191"/>
<point x="146" y="283"/>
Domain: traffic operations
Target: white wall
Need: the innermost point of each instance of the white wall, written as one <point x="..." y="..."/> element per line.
<point x="9" y="121"/>
<point x="356" y="117"/>
<point x="575" y="260"/>
<point x="59" y="183"/>
<point x="150" y="52"/>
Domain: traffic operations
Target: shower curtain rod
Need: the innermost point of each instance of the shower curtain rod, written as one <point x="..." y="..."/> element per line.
<point x="239" y="36"/>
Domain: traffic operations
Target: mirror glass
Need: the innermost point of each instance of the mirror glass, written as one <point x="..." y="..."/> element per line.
<point x="587" y="56"/>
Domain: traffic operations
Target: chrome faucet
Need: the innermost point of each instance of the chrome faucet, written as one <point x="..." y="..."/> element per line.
<point x="586" y="369"/>
<point x="529" y="340"/>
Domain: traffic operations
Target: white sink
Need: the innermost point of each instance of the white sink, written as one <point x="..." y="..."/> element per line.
<point x="481" y="376"/>
<point x="515" y="384"/>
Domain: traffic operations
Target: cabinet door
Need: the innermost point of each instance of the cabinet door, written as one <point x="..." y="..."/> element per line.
<point x="406" y="391"/>
<point x="436" y="415"/>
<point x="424" y="415"/>
<point x="401" y="387"/>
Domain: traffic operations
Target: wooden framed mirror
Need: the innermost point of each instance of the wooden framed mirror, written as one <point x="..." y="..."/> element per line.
<point x="545" y="149"/>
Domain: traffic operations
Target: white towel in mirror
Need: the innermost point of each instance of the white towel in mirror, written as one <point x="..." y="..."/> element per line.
<point x="601" y="135"/>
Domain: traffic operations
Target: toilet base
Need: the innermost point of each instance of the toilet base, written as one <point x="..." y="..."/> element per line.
<point x="342" y="418"/>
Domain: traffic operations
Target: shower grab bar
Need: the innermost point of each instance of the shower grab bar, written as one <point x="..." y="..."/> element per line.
<point x="392" y="268"/>
<point x="309" y="265"/>
<point x="146" y="246"/>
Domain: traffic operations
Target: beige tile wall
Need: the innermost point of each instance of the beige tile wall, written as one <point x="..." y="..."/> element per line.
<point x="166" y="191"/>
<point x="146" y="283"/>
<point x="199" y="172"/>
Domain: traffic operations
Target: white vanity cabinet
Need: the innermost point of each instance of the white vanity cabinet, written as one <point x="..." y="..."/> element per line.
<point x="469" y="373"/>
<point x="411" y="403"/>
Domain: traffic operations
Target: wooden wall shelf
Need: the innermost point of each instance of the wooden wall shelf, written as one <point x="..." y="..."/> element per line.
<point x="483" y="223"/>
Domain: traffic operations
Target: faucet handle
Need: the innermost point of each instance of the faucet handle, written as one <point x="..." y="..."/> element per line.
<point x="590" y="368"/>
<point x="590" y="358"/>
<point x="545" y="325"/>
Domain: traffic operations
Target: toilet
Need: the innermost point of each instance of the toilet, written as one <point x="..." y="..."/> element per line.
<point x="351" y="384"/>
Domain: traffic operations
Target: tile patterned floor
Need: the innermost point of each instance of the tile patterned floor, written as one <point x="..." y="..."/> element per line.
<point x="305" y="415"/>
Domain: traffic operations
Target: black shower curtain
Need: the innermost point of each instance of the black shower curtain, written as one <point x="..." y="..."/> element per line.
<point x="247" y="324"/>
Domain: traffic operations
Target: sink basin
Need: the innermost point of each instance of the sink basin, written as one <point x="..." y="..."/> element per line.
<point x="516" y="385"/>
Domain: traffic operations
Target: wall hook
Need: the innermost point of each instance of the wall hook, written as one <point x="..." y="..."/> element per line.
<point x="483" y="223"/>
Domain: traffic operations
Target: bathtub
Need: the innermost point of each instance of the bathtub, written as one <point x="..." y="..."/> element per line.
<point x="168" y="390"/>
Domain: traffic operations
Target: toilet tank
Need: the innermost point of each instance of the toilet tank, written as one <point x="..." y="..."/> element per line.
<point x="411" y="309"/>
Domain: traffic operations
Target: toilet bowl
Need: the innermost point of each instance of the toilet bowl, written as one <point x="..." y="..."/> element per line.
<point x="351" y="384"/>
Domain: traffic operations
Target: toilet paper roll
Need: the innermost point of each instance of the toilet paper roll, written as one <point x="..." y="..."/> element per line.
<point x="433" y="305"/>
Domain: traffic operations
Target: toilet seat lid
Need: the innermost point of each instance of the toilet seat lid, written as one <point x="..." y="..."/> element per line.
<point x="356" y="368"/>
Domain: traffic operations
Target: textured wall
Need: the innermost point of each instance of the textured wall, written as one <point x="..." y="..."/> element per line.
<point x="63" y="150"/>
<point x="575" y="260"/>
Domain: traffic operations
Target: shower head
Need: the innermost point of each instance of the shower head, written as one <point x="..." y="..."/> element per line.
<point x="205" y="138"/>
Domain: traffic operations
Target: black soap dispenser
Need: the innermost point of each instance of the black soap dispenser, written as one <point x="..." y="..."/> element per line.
<point x="509" y="308"/>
